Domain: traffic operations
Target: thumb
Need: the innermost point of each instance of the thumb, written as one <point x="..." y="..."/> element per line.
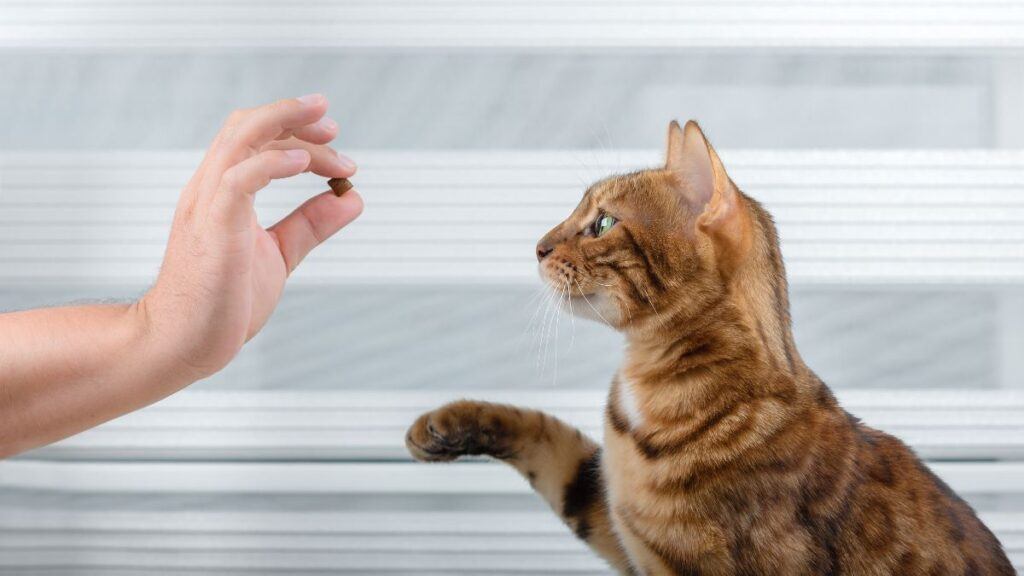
<point x="314" y="222"/>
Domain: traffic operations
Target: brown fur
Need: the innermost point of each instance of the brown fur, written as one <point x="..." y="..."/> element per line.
<point x="724" y="453"/>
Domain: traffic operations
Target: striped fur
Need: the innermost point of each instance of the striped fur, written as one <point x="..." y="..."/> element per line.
<point x="725" y="455"/>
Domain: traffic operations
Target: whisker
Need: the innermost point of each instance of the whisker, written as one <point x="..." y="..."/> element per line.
<point x="536" y="323"/>
<point x="587" y="300"/>
<point x="542" y="344"/>
<point x="552" y="326"/>
<point x="558" y="319"/>
<point x="536" y="301"/>
<point x="572" y="316"/>
<point x="657" y="315"/>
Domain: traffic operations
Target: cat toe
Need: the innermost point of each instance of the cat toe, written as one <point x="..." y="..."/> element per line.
<point x="427" y="443"/>
<point x="462" y="428"/>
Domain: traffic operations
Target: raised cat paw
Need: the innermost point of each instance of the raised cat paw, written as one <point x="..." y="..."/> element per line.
<point x="462" y="428"/>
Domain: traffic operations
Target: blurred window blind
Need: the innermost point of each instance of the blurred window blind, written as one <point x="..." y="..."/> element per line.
<point x="888" y="146"/>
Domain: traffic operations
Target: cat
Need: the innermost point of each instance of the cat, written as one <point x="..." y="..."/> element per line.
<point x="724" y="454"/>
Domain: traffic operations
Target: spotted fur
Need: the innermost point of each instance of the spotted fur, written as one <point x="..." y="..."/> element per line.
<point x="732" y="457"/>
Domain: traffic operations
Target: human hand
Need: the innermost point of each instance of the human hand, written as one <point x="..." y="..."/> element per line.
<point x="223" y="273"/>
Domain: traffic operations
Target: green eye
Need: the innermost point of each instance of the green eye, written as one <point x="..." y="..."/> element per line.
<point x="603" y="224"/>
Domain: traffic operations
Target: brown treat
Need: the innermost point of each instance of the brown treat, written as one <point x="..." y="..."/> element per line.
<point x="339" y="185"/>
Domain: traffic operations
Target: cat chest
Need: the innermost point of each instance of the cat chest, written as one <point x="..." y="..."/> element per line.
<point x="658" y="529"/>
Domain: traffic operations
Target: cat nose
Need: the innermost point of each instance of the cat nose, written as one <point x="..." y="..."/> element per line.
<point x="543" y="250"/>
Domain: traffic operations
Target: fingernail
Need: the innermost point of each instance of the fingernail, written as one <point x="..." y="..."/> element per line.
<point x="327" y="124"/>
<point x="346" y="162"/>
<point x="310" y="99"/>
<point x="297" y="154"/>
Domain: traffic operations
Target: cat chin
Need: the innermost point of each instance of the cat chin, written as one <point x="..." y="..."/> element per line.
<point x="594" y="307"/>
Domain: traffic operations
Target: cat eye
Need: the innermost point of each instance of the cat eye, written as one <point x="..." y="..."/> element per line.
<point x="603" y="224"/>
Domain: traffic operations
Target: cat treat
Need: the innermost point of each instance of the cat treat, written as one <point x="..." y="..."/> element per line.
<point x="339" y="185"/>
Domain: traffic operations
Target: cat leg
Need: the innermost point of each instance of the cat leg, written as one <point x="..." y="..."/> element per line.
<point x="562" y="464"/>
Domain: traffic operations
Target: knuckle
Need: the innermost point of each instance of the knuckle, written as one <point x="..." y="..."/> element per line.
<point x="284" y="105"/>
<point x="229" y="180"/>
<point x="261" y="169"/>
<point x="229" y="134"/>
<point x="275" y="155"/>
<point x="235" y="118"/>
<point x="239" y="114"/>
<point x="233" y="125"/>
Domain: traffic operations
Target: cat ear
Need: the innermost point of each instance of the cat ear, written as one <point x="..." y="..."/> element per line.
<point x="706" y="187"/>
<point x="688" y="159"/>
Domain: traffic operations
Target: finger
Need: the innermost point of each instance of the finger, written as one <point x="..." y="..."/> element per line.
<point x="320" y="132"/>
<point x="195" y="186"/>
<point x="233" y="204"/>
<point x="191" y="192"/>
<point x="325" y="161"/>
<point x="247" y="132"/>
<point x="313" y="223"/>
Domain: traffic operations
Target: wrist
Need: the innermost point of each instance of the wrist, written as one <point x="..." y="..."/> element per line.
<point x="156" y="341"/>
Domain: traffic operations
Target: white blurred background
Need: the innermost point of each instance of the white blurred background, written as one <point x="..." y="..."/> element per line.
<point x="885" y="137"/>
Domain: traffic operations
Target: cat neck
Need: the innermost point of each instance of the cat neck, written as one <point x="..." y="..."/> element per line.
<point x="762" y="304"/>
<point x="747" y="325"/>
<point x="675" y="346"/>
<point x="716" y="360"/>
<point x="760" y="292"/>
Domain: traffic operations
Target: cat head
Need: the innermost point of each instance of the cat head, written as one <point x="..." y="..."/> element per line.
<point x="658" y="244"/>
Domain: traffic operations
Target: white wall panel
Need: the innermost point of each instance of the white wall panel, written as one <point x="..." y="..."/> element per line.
<point x="578" y="23"/>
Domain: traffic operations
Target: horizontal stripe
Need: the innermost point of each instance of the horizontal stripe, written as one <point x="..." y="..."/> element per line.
<point x="844" y="216"/>
<point x="362" y="478"/>
<point x="331" y="425"/>
<point x="991" y="24"/>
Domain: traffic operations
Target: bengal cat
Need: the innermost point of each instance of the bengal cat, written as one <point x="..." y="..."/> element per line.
<point x="723" y="453"/>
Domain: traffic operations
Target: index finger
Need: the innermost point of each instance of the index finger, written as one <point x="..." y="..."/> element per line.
<point x="253" y="129"/>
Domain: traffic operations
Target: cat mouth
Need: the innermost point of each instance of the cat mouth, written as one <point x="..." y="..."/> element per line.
<point x="565" y="282"/>
<point x="555" y="279"/>
<point x="569" y="288"/>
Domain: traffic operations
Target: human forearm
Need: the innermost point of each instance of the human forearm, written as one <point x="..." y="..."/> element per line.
<point x="63" y="370"/>
<point x="66" y="369"/>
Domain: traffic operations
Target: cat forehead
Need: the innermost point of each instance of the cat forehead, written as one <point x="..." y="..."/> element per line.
<point x="625" y="187"/>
